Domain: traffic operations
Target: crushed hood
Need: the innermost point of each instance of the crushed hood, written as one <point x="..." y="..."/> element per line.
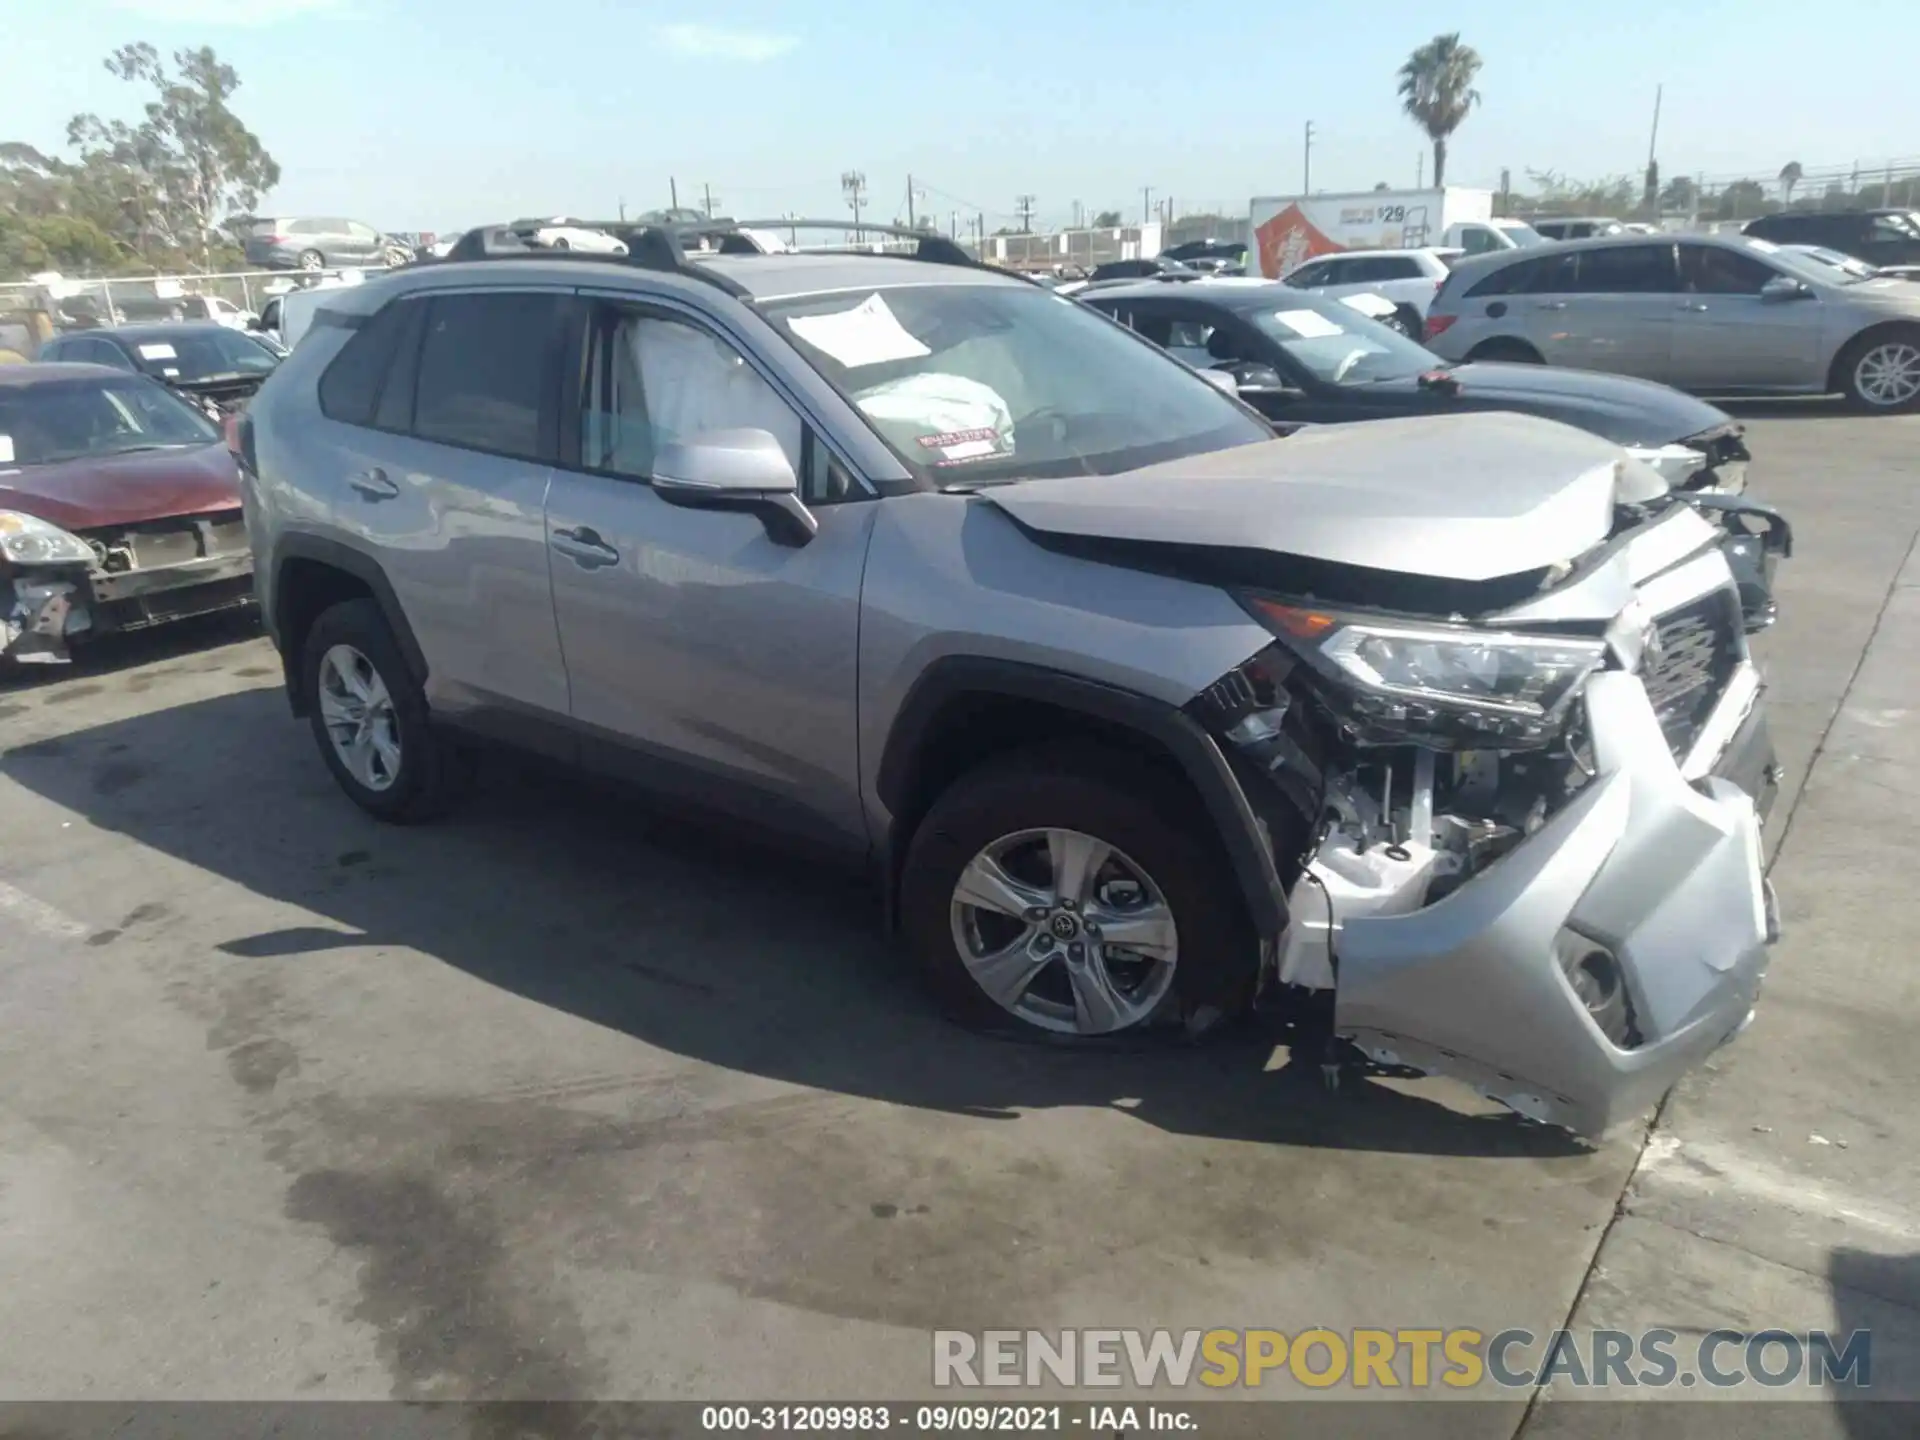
<point x="124" y="489"/>
<point x="1457" y="497"/>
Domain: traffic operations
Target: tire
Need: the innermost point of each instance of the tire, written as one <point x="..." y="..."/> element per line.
<point x="1157" y="834"/>
<point x="562" y="243"/>
<point x="1890" y="357"/>
<point x="1509" y="352"/>
<point x="424" y="773"/>
<point x="310" y="260"/>
<point x="1407" y="321"/>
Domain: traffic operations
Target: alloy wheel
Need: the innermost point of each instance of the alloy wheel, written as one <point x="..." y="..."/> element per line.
<point x="1888" y="375"/>
<point x="312" y="260"/>
<point x="357" y="709"/>
<point x="1065" y="932"/>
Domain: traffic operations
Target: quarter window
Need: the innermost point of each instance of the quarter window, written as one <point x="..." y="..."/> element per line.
<point x="484" y="372"/>
<point x="350" y="386"/>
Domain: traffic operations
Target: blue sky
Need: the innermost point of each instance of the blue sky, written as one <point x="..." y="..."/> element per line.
<point x="426" y="114"/>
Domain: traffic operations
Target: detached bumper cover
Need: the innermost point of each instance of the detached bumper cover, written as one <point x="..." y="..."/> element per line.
<point x="1663" y="872"/>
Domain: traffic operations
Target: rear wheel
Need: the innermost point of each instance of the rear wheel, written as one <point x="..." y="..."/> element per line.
<point x="1512" y="352"/>
<point x="311" y="260"/>
<point x="562" y="243"/>
<point x="1065" y="897"/>
<point x="370" y="719"/>
<point x="1881" y="372"/>
<point x="1407" y="321"/>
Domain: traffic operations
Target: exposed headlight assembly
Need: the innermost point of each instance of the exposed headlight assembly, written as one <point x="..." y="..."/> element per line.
<point x="1450" y="686"/>
<point x="29" y="540"/>
<point x="1677" y="464"/>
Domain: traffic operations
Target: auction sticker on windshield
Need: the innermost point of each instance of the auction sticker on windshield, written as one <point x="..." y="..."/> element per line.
<point x="868" y="334"/>
<point x="1308" y="324"/>
<point x="158" y="352"/>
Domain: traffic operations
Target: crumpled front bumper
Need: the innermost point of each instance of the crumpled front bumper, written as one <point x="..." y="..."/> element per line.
<point x="1656" y="861"/>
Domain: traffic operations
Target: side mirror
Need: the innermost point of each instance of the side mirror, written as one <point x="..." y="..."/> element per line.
<point x="1785" y="287"/>
<point x="736" y="470"/>
<point x="1253" y="377"/>
<point x="254" y="322"/>
<point x="1220" y="381"/>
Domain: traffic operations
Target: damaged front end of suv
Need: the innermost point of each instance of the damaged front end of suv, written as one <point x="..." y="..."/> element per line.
<point x="1532" y="855"/>
<point x="1508" y="752"/>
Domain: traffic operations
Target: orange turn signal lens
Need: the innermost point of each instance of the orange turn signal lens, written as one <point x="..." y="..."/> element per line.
<point x="1292" y="620"/>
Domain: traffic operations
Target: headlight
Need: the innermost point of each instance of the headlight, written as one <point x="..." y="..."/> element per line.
<point x="1677" y="464"/>
<point x="29" y="540"/>
<point x="1421" y="680"/>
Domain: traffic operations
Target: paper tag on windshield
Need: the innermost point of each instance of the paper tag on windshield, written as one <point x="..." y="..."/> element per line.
<point x="158" y="352"/>
<point x="868" y="334"/>
<point x="6" y="449"/>
<point x="1308" y="324"/>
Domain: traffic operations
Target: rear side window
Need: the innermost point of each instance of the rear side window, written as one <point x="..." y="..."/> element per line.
<point x="485" y="372"/>
<point x="1628" y="270"/>
<point x="1548" y="274"/>
<point x="350" y="385"/>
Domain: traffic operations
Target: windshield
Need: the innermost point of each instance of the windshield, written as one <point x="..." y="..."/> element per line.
<point x="196" y="355"/>
<point x="66" y="420"/>
<point x="1521" y="233"/>
<point x="1340" y="346"/>
<point x="980" y="383"/>
<point x="1801" y="265"/>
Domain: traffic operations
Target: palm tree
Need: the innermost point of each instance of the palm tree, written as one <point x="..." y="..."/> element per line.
<point x="1790" y="176"/>
<point x="1436" y="87"/>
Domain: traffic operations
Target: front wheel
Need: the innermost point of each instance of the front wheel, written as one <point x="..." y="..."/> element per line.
<point x="1070" y="898"/>
<point x="1881" y="373"/>
<point x="311" y="260"/>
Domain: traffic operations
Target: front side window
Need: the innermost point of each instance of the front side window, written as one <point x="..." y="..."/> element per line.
<point x="1627" y="270"/>
<point x="485" y="372"/>
<point x="78" y="419"/>
<point x="1894" y="227"/>
<point x="975" y="383"/>
<point x="656" y="381"/>
<point x="1711" y="270"/>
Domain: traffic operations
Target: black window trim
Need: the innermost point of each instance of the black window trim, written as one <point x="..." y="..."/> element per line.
<point x="600" y="306"/>
<point x="560" y="330"/>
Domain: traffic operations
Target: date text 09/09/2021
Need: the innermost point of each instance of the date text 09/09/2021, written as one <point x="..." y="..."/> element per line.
<point x="874" y="1419"/>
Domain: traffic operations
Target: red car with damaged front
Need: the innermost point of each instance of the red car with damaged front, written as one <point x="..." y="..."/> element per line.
<point x="119" y="509"/>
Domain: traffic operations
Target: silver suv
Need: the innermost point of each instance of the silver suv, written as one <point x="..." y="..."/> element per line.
<point x="1443" y="731"/>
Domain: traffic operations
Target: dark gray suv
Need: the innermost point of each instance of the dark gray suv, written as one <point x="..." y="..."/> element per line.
<point x="320" y="243"/>
<point x="1442" y="730"/>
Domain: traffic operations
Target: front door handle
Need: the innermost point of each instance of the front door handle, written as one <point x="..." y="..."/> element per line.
<point x="374" y="484"/>
<point x="1697" y="305"/>
<point x="585" y="548"/>
<point x="1551" y="305"/>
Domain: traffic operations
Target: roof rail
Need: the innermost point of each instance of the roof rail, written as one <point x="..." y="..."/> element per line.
<point x="654" y="246"/>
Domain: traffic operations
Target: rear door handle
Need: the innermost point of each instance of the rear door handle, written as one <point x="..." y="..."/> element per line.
<point x="374" y="484"/>
<point x="585" y="548"/>
<point x="1699" y="305"/>
<point x="1552" y="305"/>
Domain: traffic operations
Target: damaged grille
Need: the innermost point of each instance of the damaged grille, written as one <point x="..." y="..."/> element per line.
<point x="155" y="544"/>
<point x="1698" y="648"/>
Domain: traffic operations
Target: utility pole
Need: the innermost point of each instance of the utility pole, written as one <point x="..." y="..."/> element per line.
<point x="708" y="191"/>
<point x="1306" y="162"/>
<point x="623" y="212"/>
<point x="853" y="185"/>
<point x="1146" y="204"/>
<point x="673" y="192"/>
<point x="910" y="202"/>
<point x="1420" y="171"/>
<point x="1024" y="204"/>
<point x="953" y="225"/>
<point x="1654" y="139"/>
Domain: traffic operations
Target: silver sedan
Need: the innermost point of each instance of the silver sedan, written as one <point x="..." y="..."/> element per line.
<point x="1715" y="314"/>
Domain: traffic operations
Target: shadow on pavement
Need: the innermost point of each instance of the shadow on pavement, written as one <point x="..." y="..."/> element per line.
<point x="111" y="654"/>
<point x="579" y="897"/>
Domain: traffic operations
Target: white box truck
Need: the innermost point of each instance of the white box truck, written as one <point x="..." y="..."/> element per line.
<point x="1289" y="230"/>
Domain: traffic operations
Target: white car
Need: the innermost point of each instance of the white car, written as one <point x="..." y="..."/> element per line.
<point x="1408" y="278"/>
<point x="561" y="233"/>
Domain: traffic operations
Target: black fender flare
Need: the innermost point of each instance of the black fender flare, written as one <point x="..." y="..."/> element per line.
<point x="349" y="561"/>
<point x="1194" y="750"/>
